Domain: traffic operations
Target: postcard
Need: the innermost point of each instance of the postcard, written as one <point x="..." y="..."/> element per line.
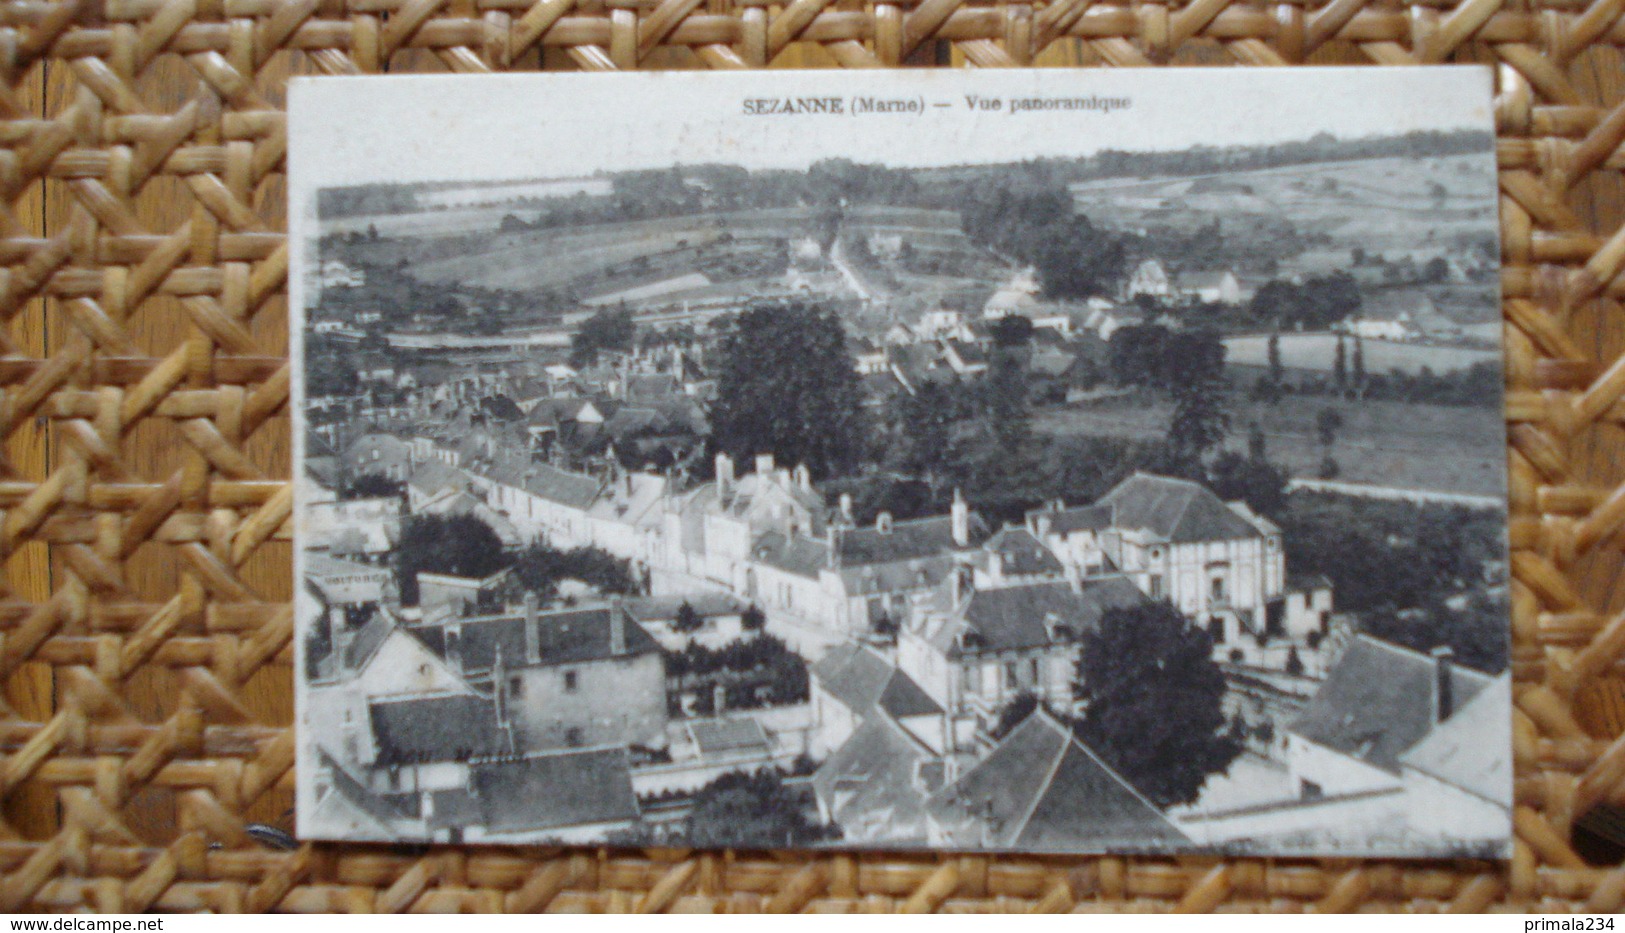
<point x="1035" y="461"/>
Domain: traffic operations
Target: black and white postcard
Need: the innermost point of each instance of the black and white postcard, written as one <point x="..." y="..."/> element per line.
<point x="1038" y="461"/>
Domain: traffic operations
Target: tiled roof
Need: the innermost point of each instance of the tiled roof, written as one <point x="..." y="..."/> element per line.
<point x="1021" y="554"/>
<point x="571" y="636"/>
<point x="797" y="554"/>
<point x="356" y="795"/>
<point x="1019" y="617"/>
<point x="1378" y="701"/>
<point x="652" y="386"/>
<point x="366" y="641"/>
<point x="730" y="736"/>
<point x="1042" y="789"/>
<point x="450" y="727"/>
<point x="903" y="698"/>
<point x="555" y="791"/>
<point x="1175" y="509"/>
<point x="853" y="674"/>
<point x="918" y="574"/>
<point x="1472" y="750"/>
<point x="436" y="475"/>
<point x="907" y="540"/>
<point x="1080" y="518"/>
<point x="870" y="784"/>
<point x="562" y="486"/>
<point x="861" y="680"/>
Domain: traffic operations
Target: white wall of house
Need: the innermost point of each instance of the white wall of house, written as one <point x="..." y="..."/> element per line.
<point x="1334" y="773"/>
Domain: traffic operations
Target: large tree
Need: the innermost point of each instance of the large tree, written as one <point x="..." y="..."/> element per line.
<point x="752" y="811"/>
<point x="459" y="545"/>
<point x="1151" y="700"/>
<point x="540" y="568"/>
<point x="607" y="329"/>
<point x="786" y="386"/>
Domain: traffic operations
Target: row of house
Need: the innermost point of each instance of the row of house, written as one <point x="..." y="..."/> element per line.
<point x="923" y="631"/>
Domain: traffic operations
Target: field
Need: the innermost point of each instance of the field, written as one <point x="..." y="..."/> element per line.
<point x="1383" y="203"/>
<point x="1431" y="447"/>
<point x="1416" y="207"/>
<point x="1317" y="353"/>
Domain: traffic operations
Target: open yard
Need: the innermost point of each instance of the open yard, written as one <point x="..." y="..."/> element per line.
<point x="1381" y="443"/>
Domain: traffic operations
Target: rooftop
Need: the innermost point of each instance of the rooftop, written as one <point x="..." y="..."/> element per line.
<point x="731" y="736"/>
<point x="1042" y="789"/>
<point x="569" y="636"/>
<point x="1379" y="700"/>
<point x="1021" y="554"/>
<point x="860" y="679"/>
<point x="1032" y="616"/>
<point x="448" y="727"/>
<point x="907" y="540"/>
<point x="555" y="791"/>
<point x="1470" y="750"/>
<point x="1176" y="510"/>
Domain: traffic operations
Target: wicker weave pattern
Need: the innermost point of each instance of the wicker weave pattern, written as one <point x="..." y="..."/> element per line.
<point x="145" y="635"/>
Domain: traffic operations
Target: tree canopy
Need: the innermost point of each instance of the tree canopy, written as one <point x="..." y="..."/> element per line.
<point x="1152" y="701"/>
<point x="607" y="329"/>
<point x="541" y="567"/>
<point x="1316" y="304"/>
<point x="786" y="386"/>
<point x="752" y="811"/>
<point x="459" y="545"/>
<point x="1034" y="221"/>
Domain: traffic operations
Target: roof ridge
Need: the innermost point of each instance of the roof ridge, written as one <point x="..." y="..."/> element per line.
<point x="1125" y="782"/>
<point x="1043" y="786"/>
<point x="1408" y="651"/>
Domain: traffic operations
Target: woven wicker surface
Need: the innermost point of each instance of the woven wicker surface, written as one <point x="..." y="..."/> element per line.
<point x="145" y="634"/>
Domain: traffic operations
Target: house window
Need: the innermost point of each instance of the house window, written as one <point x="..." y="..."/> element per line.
<point x="1010" y="675"/>
<point x="1216" y="590"/>
<point x="1032" y="671"/>
<point x="1156" y="586"/>
<point x="572" y="737"/>
<point x="516" y="687"/>
<point x="570" y="681"/>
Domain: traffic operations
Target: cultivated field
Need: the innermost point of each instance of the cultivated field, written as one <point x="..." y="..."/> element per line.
<point x="1378" y="205"/>
<point x="1318" y="352"/>
<point x="1381" y="443"/>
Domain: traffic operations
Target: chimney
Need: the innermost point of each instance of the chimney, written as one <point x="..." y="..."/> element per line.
<point x="846" y="507"/>
<point x="883" y="523"/>
<point x="499" y="684"/>
<point x="1444" y="688"/>
<point x="617" y="629"/>
<point x="725" y="474"/>
<point x="803" y="477"/>
<point x="533" y="638"/>
<point x="960" y="516"/>
<point x="339" y="626"/>
<point x="964" y="584"/>
<point x="764" y="465"/>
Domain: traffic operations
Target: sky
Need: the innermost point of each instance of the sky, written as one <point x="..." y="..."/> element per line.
<point x="354" y="130"/>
